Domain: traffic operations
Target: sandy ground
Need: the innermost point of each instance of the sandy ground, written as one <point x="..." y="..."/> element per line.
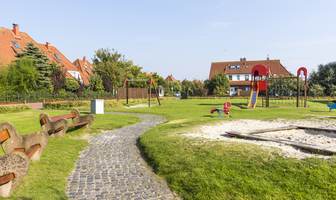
<point x="140" y="105"/>
<point x="318" y="138"/>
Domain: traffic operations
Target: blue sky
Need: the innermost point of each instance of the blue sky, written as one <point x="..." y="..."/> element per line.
<point x="183" y="37"/>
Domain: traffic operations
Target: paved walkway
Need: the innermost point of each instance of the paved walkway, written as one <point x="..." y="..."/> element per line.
<point x="111" y="167"/>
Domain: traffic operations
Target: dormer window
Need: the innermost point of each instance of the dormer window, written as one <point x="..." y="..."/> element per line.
<point x="246" y="66"/>
<point x="16" y="45"/>
<point x="275" y="74"/>
<point x="85" y="67"/>
<point x="234" y="66"/>
<point x="58" y="57"/>
<point x="91" y="67"/>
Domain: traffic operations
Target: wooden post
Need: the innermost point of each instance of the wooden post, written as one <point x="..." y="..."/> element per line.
<point x="157" y="96"/>
<point x="298" y="92"/>
<point x="150" y="93"/>
<point x="126" y="93"/>
<point x="267" y="97"/>
<point x="305" y="95"/>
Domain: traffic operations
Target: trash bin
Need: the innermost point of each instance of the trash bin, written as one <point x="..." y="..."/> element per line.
<point x="97" y="106"/>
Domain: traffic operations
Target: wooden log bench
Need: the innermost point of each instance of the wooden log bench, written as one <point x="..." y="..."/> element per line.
<point x="13" y="167"/>
<point x="32" y="144"/>
<point x="58" y="125"/>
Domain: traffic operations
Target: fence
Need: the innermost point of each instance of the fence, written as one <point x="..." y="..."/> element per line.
<point x="39" y="97"/>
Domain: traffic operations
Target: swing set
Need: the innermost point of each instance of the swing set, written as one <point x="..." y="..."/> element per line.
<point x="133" y="93"/>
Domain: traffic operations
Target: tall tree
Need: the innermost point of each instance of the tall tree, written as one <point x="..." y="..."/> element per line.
<point x="58" y="77"/>
<point x="22" y="75"/>
<point x="218" y="80"/>
<point x="325" y="76"/>
<point x="96" y="82"/>
<point x="40" y="63"/>
<point x="106" y="64"/>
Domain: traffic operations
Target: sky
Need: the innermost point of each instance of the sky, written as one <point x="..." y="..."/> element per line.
<point x="183" y="37"/>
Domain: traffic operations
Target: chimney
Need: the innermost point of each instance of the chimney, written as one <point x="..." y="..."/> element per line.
<point x="267" y="56"/>
<point x="48" y="46"/>
<point x="16" y="30"/>
<point x="84" y="59"/>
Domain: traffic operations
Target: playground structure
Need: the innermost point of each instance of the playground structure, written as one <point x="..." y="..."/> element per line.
<point x="220" y="111"/>
<point x="130" y="93"/>
<point x="277" y="89"/>
<point x="331" y="105"/>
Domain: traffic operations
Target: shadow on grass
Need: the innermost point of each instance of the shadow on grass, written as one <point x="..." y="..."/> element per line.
<point x="240" y="105"/>
<point x="325" y="102"/>
<point x="60" y="195"/>
<point x="211" y="104"/>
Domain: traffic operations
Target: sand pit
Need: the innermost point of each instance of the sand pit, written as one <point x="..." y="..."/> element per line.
<point x="318" y="138"/>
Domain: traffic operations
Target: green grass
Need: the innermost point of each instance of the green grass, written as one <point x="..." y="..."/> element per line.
<point x="46" y="179"/>
<point x="200" y="169"/>
<point x="194" y="168"/>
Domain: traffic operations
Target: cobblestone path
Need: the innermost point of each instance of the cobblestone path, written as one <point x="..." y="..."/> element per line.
<point x="111" y="167"/>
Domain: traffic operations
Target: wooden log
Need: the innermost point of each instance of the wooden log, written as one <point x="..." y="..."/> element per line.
<point x="22" y="150"/>
<point x="317" y="129"/>
<point x="274" y="129"/>
<point x="309" y="147"/>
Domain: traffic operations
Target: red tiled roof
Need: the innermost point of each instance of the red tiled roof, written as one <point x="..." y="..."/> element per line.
<point x="84" y="68"/>
<point x="274" y="66"/>
<point x="8" y="50"/>
<point x="170" y="78"/>
<point x="149" y="74"/>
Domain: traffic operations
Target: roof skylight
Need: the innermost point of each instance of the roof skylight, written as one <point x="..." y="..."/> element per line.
<point x="16" y="45"/>
<point x="85" y="67"/>
<point x="58" y="57"/>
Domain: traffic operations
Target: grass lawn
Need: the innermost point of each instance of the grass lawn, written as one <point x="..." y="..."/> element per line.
<point x="195" y="168"/>
<point x="46" y="179"/>
<point x="200" y="169"/>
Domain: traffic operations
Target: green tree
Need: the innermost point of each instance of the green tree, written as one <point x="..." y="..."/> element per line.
<point x="218" y="80"/>
<point x="22" y="75"/>
<point x="71" y="85"/>
<point x="325" y="76"/>
<point x="106" y="63"/>
<point x="187" y="85"/>
<point x="175" y="85"/>
<point x="96" y="82"/>
<point x="316" y="90"/>
<point x="40" y="63"/>
<point x="58" y="77"/>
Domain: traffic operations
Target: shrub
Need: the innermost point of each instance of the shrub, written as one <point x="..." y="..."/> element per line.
<point x="13" y="109"/>
<point x="71" y="85"/>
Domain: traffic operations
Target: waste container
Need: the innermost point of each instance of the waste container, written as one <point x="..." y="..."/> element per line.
<point x="97" y="106"/>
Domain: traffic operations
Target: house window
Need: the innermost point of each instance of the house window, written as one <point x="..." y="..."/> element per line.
<point x="233" y="67"/>
<point x="58" y="57"/>
<point x="230" y="77"/>
<point x="247" y="88"/>
<point x="91" y="67"/>
<point x="247" y="77"/>
<point x="246" y="66"/>
<point x="238" y="67"/>
<point x="275" y="74"/>
<point x="238" y="77"/>
<point x="85" y="67"/>
<point x="16" y="45"/>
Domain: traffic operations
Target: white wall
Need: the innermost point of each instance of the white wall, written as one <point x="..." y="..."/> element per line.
<point x="76" y="74"/>
<point x="241" y="77"/>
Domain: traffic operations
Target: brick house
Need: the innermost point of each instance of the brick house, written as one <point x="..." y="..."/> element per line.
<point x="239" y="72"/>
<point x="14" y="41"/>
<point x="170" y="78"/>
<point x="85" y="67"/>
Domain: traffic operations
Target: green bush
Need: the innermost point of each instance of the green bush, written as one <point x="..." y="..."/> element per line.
<point x="13" y="109"/>
<point x="65" y="105"/>
<point x="71" y="85"/>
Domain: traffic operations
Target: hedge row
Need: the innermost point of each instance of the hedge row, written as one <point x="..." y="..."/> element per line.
<point x="14" y="109"/>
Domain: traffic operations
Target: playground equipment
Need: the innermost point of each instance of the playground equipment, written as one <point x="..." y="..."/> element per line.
<point x="258" y="83"/>
<point x="332" y="105"/>
<point x="143" y="91"/>
<point x="278" y="89"/>
<point x="220" y="111"/>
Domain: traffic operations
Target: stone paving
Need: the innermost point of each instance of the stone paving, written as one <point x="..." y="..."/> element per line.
<point x="111" y="167"/>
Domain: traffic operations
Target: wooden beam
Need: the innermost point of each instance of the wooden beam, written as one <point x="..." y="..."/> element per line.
<point x="317" y="129"/>
<point x="19" y="150"/>
<point x="274" y="129"/>
<point x="309" y="147"/>
<point x="4" y="135"/>
<point x="6" y="178"/>
<point x="30" y="152"/>
<point x="79" y="124"/>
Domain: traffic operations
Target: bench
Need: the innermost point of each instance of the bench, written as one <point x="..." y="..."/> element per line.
<point x="13" y="167"/>
<point x="32" y="144"/>
<point x="58" y="125"/>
